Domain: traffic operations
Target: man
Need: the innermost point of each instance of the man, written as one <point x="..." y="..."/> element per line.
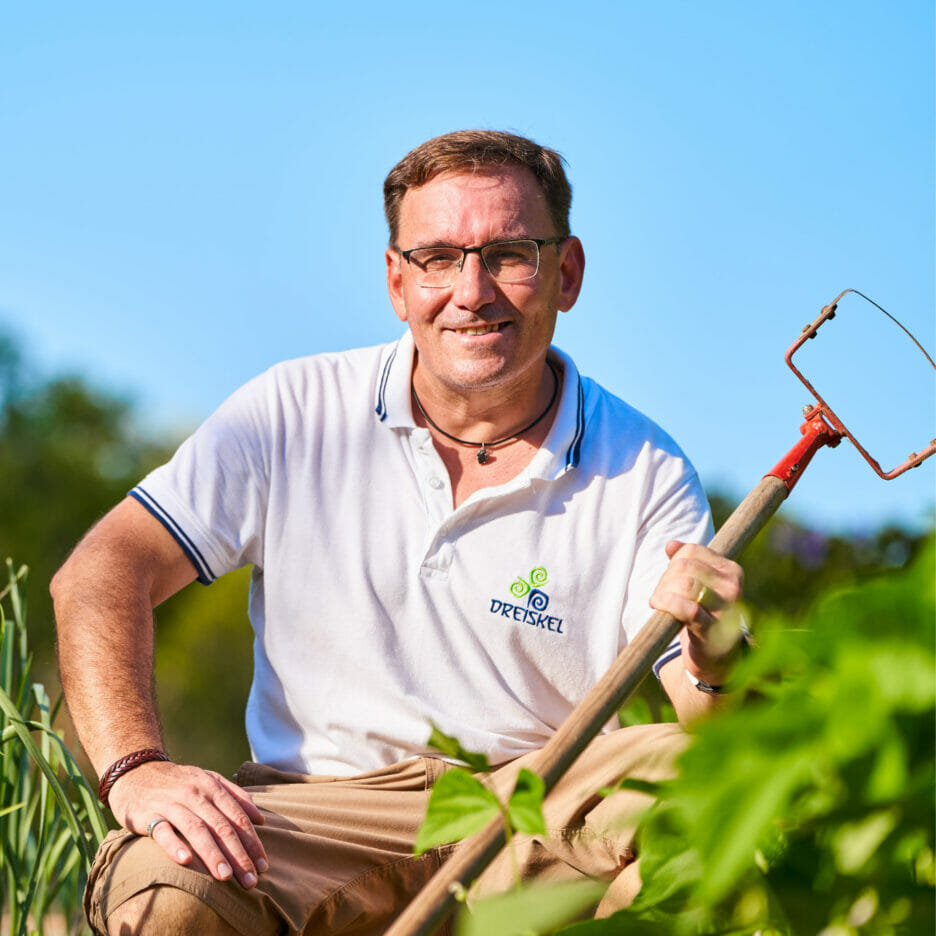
<point x="454" y="529"/>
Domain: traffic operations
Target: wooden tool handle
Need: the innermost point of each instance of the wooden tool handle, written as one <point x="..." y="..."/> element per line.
<point x="436" y="900"/>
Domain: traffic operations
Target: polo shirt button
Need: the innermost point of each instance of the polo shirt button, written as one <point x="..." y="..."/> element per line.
<point x="436" y="483"/>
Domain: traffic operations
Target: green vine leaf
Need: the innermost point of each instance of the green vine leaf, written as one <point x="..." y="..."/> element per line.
<point x="451" y="747"/>
<point x="530" y="910"/>
<point x="459" y="806"/>
<point x="525" y="806"/>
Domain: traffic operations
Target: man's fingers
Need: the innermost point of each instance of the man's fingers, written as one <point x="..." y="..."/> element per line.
<point x="681" y="606"/>
<point x="216" y="842"/>
<point x="242" y="797"/>
<point x="241" y="814"/>
<point x="164" y="835"/>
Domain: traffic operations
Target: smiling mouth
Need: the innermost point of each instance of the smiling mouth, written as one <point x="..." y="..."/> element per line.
<point x="480" y="329"/>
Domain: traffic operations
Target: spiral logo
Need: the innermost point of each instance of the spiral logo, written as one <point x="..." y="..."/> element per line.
<point x="520" y="588"/>
<point x="537" y="600"/>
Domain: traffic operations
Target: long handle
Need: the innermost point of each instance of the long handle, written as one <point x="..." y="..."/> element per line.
<point x="436" y="900"/>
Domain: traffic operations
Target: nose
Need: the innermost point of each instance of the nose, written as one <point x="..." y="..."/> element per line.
<point x="474" y="286"/>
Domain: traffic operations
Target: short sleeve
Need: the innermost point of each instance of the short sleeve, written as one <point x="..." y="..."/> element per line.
<point x="678" y="510"/>
<point x="212" y="495"/>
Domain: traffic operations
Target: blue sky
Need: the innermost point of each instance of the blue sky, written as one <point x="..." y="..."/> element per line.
<point x="189" y="193"/>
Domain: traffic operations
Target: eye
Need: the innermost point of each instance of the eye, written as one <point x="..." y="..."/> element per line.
<point x="506" y="253"/>
<point x="435" y="258"/>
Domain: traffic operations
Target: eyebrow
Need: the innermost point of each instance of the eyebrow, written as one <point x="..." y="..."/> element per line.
<point x="497" y="240"/>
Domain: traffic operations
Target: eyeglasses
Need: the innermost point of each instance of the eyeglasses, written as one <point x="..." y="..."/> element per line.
<point x="507" y="261"/>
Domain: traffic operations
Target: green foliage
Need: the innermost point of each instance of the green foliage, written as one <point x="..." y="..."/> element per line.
<point x="451" y="747"/>
<point x="809" y="804"/>
<point x="68" y="453"/>
<point x="461" y="805"/>
<point x="529" y="910"/>
<point x="50" y="821"/>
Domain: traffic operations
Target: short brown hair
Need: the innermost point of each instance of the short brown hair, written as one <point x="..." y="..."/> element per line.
<point x="474" y="150"/>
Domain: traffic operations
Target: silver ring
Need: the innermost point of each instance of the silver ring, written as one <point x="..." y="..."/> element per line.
<point x="153" y="824"/>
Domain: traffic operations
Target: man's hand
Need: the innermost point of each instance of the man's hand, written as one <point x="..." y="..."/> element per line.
<point x="207" y="816"/>
<point x="698" y="588"/>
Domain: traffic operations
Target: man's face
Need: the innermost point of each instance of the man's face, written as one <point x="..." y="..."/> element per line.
<point x="478" y="333"/>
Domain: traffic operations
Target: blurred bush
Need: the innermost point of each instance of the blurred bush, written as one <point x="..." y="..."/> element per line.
<point x="807" y="805"/>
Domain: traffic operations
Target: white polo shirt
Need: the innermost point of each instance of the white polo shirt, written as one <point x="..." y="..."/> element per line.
<point x="379" y="609"/>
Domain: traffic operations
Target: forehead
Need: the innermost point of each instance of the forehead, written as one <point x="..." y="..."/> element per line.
<point x="470" y="208"/>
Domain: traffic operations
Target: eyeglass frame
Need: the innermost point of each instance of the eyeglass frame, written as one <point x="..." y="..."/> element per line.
<point x="540" y="242"/>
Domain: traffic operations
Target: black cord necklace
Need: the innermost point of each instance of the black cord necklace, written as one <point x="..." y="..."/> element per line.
<point x="484" y="446"/>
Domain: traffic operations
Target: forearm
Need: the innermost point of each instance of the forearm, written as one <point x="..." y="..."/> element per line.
<point x="104" y="597"/>
<point x="105" y="648"/>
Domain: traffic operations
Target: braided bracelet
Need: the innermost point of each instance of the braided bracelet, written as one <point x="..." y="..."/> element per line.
<point x="125" y="765"/>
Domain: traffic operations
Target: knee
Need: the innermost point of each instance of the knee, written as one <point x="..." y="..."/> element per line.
<point x="165" y="911"/>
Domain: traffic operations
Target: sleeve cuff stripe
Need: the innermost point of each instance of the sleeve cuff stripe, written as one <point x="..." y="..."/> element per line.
<point x="671" y="653"/>
<point x="205" y="575"/>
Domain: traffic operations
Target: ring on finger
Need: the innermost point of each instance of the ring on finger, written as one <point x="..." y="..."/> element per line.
<point x="153" y="823"/>
<point x="703" y="596"/>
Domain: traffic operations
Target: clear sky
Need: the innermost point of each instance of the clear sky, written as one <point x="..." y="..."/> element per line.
<point x="192" y="192"/>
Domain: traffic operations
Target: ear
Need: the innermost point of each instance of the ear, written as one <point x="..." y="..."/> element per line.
<point x="395" y="282"/>
<point x="571" y="272"/>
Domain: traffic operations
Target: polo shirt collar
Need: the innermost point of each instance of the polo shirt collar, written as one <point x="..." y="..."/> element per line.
<point x="560" y="451"/>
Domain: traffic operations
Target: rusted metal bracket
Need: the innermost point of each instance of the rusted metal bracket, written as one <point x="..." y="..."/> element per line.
<point x="810" y="331"/>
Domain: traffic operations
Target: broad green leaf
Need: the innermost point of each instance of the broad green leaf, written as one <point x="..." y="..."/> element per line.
<point x="889" y="775"/>
<point x="531" y="910"/>
<point x="459" y="806"/>
<point x="525" y="806"/>
<point x="451" y="747"/>
<point x="855" y="842"/>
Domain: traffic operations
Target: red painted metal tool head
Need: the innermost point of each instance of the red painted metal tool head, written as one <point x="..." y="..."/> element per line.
<point x="809" y="332"/>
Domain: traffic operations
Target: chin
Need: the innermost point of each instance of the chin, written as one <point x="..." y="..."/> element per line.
<point x="479" y="377"/>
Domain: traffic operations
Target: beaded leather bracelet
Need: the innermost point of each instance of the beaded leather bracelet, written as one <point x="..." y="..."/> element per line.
<point x="125" y="765"/>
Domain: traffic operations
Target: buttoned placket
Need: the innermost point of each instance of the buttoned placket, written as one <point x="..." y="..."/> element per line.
<point x="436" y="490"/>
<point x="444" y="522"/>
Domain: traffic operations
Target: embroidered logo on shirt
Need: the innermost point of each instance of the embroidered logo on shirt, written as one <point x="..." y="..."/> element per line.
<point x="533" y="612"/>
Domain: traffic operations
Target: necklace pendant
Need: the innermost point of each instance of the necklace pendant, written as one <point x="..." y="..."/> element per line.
<point x="482" y="455"/>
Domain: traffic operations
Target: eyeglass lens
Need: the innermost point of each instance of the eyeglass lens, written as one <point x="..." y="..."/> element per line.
<point x="507" y="262"/>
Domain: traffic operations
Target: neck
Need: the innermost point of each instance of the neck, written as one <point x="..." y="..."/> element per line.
<point x="485" y="415"/>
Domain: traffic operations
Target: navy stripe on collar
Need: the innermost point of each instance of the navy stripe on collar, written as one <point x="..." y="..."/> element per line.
<point x="381" y="408"/>
<point x="575" y="449"/>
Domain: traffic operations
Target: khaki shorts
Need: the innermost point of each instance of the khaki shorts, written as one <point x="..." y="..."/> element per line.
<point x="340" y="849"/>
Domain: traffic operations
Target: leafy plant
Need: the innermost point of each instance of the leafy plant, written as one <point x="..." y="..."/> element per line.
<point x="808" y="806"/>
<point x="461" y="805"/>
<point x="50" y="821"/>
